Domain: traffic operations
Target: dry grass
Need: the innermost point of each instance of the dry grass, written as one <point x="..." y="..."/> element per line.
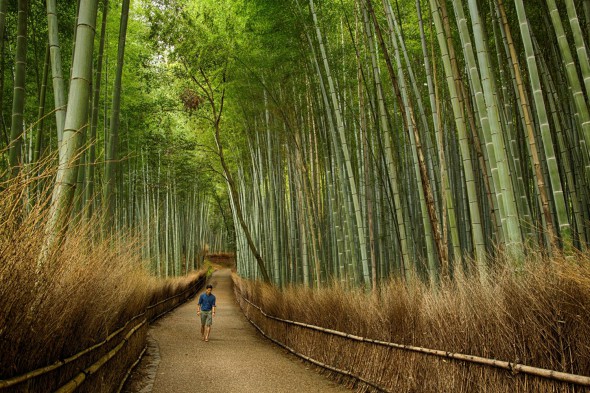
<point x="84" y="292"/>
<point x="223" y="259"/>
<point x="539" y="317"/>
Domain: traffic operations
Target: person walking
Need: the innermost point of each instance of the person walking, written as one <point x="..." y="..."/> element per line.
<point x="206" y="309"/>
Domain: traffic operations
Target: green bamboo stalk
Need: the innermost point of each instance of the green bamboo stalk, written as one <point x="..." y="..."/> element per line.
<point x="391" y="167"/>
<point x="94" y="117"/>
<point x="310" y="175"/>
<point x="112" y="152"/>
<point x="526" y="114"/>
<point x="336" y="188"/>
<point x="308" y="208"/>
<point x="418" y="174"/>
<point x="473" y="204"/>
<point x="571" y="190"/>
<point x="41" y="112"/>
<point x="156" y="204"/>
<point x="508" y="113"/>
<point x="3" y="7"/>
<point x="272" y="195"/>
<point x="491" y="227"/>
<point x="554" y="175"/>
<point x="411" y="128"/>
<point x="15" y="158"/>
<point x="307" y="279"/>
<point x="369" y="196"/>
<point x="146" y="230"/>
<point x="581" y="50"/>
<point x="430" y="148"/>
<point x="59" y="91"/>
<point x="491" y="127"/>
<point x="167" y="228"/>
<point x="76" y="122"/>
<point x="351" y="183"/>
<point x="448" y="211"/>
<point x="571" y="72"/>
<point x="515" y="240"/>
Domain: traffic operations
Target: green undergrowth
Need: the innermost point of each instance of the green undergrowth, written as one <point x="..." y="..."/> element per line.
<point x="84" y="291"/>
<point x="220" y="260"/>
<point x="539" y="317"/>
<point x="208" y="267"/>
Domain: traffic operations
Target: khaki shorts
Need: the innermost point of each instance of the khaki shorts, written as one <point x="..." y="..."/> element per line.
<point x="206" y="318"/>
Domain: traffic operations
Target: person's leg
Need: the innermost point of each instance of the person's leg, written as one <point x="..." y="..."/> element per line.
<point x="208" y="324"/>
<point x="203" y="323"/>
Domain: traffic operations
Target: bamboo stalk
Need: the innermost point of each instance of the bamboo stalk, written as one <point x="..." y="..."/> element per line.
<point x="15" y="158"/>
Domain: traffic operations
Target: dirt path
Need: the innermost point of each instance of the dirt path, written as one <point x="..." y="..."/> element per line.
<point x="236" y="358"/>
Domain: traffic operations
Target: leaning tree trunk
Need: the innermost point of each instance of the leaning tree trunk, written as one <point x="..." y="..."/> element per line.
<point x="209" y="91"/>
<point x="75" y="124"/>
<point x="18" y="100"/>
<point x="238" y="206"/>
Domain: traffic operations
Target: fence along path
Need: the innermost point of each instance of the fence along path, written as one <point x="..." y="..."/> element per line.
<point x="236" y="358"/>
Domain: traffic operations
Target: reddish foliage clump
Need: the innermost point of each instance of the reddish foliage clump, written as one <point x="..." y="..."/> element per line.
<point x="191" y="100"/>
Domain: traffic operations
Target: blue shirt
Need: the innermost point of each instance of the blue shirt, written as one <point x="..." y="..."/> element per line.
<point x="207" y="302"/>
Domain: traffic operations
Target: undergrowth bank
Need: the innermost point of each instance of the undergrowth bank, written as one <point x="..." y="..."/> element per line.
<point x="403" y="339"/>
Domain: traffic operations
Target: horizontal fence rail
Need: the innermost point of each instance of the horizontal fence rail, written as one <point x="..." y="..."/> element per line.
<point x="131" y="368"/>
<point x="152" y="312"/>
<point x="510" y="366"/>
<point x="44" y="370"/>
<point x="81" y="377"/>
<point x="317" y="363"/>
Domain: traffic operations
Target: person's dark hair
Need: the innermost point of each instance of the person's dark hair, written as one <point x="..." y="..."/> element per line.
<point x="209" y="286"/>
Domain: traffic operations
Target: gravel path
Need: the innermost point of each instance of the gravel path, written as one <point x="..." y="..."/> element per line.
<point x="236" y="358"/>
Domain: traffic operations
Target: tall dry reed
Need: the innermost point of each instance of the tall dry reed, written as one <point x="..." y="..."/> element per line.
<point x="539" y="316"/>
<point x="88" y="288"/>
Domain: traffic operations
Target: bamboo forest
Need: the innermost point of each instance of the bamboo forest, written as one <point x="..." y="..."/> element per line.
<point x="406" y="182"/>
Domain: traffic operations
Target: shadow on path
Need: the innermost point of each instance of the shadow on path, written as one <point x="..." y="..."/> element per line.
<point x="236" y="358"/>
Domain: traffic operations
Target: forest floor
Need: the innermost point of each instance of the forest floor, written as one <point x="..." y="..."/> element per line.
<point x="237" y="357"/>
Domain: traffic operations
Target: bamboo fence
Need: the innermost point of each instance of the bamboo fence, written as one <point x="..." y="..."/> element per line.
<point x="85" y="370"/>
<point x="513" y="367"/>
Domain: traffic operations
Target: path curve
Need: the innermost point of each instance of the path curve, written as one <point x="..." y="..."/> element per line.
<point x="236" y="358"/>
